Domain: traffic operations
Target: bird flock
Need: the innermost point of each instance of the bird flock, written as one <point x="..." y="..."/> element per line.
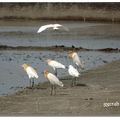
<point x="52" y="78"/>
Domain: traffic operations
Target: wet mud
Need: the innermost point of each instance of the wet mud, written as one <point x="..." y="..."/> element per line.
<point x="96" y="93"/>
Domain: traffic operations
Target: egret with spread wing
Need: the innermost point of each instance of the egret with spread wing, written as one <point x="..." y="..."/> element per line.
<point x="54" y="26"/>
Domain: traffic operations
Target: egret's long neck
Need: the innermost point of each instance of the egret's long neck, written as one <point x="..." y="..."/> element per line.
<point x="25" y="67"/>
<point x="71" y="55"/>
<point x="48" y="61"/>
<point x="46" y="75"/>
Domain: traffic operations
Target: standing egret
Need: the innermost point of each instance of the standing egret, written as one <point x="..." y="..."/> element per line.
<point x="74" y="73"/>
<point x="53" y="80"/>
<point x="30" y="72"/>
<point x="54" y="26"/>
<point x="55" y="65"/>
<point x="76" y="59"/>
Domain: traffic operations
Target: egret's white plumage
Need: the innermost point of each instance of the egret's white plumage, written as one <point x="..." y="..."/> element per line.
<point x="30" y="72"/>
<point x="54" y="26"/>
<point x="76" y="59"/>
<point x="55" y="65"/>
<point x="52" y="79"/>
<point x="74" y="73"/>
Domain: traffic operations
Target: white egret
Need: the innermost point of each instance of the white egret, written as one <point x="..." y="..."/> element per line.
<point x="74" y="73"/>
<point x="76" y="59"/>
<point x="55" y="65"/>
<point x="30" y="72"/>
<point x="53" y="80"/>
<point x="54" y="26"/>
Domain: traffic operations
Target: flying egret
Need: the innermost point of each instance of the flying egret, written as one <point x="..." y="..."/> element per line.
<point x="55" y="65"/>
<point x="53" y="80"/>
<point x="54" y="26"/>
<point x="76" y="59"/>
<point x="74" y="73"/>
<point x="30" y="72"/>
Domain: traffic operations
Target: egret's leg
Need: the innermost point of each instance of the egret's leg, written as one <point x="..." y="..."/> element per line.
<point x="55" y="73"/>
<point x="32" y="82"/>
<point x="72" y="81"/>
<point x="75" y="81"/>
<point x="54" y="90"/>
<point x="78" y="68"/>
<point x="51" y="89"/>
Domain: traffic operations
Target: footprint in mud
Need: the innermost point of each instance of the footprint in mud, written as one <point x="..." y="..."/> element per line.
<point x="88" y="98"/>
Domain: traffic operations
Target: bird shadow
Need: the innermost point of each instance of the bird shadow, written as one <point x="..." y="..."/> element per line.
<point x="42" y="88"/>
<point x="63" y="94"/>
<point x="81" y="85"/>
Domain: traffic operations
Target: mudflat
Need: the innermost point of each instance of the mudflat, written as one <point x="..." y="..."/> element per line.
<point x="96" y="43"/>
<point x="97" y="93"/>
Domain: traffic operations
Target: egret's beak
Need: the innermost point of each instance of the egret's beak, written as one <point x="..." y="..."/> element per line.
<point x="69" y="52"/>
<point x="42" y="72"/>
<point x="21" y="65"/>
<point x="45" y="61"/>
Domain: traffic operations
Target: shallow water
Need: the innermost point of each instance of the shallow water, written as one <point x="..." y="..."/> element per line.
<point x="86" y="35"/>
<point x="24" y="33"/>
<point x="13" y="77"/>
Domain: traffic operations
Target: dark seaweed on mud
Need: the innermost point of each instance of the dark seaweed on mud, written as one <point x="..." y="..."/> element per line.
<point x="56" y="48"/>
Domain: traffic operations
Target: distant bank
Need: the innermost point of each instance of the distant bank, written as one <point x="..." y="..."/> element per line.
<point x="109" y="12"/>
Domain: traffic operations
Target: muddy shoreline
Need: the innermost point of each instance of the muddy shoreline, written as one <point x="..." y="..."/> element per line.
<point x="95" y="90"/>
<point x="56" y="48"/>
<point x="97" y="44"/>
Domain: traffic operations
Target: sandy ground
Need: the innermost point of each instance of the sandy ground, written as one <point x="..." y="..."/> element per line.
<point x="97" y="93"/>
